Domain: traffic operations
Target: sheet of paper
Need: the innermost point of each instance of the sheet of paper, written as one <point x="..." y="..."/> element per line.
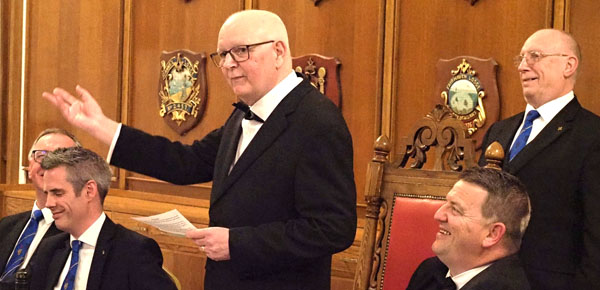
<point x="172" y="222"/>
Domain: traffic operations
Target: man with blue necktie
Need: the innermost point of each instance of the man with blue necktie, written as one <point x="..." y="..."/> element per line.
<point x="554" y="149"/>
<point x="20" y="234"/>
<point x="93" y="252"/>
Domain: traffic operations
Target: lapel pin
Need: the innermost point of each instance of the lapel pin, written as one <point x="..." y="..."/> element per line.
<point x="559" y="128"/>
<point x="103" y="253"/>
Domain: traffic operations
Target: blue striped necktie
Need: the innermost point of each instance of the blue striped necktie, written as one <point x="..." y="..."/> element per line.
<point x="69" y="282"/>
<point x="524" y="135"/>
<point x="23" y="244"/>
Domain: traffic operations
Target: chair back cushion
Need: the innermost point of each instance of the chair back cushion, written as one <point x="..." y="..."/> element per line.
<point x="411" y="232"/>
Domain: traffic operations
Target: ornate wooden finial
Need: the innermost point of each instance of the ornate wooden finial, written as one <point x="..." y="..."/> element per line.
<point x="494" y="155"/>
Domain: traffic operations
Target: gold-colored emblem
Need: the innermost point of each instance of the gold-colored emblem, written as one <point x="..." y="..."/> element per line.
<point x="463" y="96"/>
<point x="182" y="89"/>
<point x="323" y="73"/>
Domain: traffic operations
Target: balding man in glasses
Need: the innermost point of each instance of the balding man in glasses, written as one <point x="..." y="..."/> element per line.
<point x="554" y="148"/>
<point x="283" y="198"/>
<point x="20" y="234"/>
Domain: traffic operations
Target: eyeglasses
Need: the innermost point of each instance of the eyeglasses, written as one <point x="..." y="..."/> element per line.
<point x="239" y="53"/>
<point x="38" y="155"/>
<point x="532" y="57"/>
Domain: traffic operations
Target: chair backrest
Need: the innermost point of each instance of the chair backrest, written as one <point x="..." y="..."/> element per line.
<point x="323" y="72"/>
<point x="410" y="240"/>
<point x="173" y="278"/>
<point x="399" y="225"/>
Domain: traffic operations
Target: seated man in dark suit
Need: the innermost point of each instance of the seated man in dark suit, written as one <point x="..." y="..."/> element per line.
<point x="481" y="226"/>
<point x="94" y="252"/>
<point x="20" y="234"/>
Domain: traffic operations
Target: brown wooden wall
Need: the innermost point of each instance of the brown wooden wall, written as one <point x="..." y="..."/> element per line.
<point x="388" y="50"/>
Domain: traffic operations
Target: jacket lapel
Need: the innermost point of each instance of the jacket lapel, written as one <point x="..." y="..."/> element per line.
<point x="560" y="124"/>
<point x="11" y="239"/>
<point x="226" y="154"/>
<point x="100" y="254"/>
<point x="57" y="264"/>
<point x="268" y="133"/>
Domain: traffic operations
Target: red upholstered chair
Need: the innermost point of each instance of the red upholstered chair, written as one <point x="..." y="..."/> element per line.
<point x="399" y="225"/>
<point x="411" y="232"/>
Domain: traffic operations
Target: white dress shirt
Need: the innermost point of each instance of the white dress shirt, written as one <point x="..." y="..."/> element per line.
<point x="547" y="112"/>
<point x="86" y="254"/>
<point x="463" y="278"/>
<point x="263" y="108"/>
<point x="43" y="226"/>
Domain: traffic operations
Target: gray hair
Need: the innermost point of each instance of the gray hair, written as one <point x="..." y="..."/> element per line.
<point x="82" y="165"/>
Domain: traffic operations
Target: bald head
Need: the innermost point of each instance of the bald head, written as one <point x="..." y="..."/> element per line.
<point x="269" y="59"/>
<point x="560" y="39"/>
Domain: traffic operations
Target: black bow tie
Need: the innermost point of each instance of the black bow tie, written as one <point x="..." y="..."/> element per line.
<point x="248" y="114"/>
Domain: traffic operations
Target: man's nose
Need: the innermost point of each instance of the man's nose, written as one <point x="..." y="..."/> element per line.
<point x="228" y="61"/>
<point x="440" y="214"/>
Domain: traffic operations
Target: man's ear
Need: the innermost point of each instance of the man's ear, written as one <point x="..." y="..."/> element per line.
<point x="280" y="50"/>
<point x="570" y="67"/>
<point x="495" y="233"/>
<point x="90" y="189"/>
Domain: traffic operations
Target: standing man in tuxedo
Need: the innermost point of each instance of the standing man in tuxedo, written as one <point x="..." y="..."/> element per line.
<point x="554" y="149"/>
<point x="93" y="252"/>
<point x="481" y="226"/>
<point x="20" y="234"/>
<point x="283" y="198"/>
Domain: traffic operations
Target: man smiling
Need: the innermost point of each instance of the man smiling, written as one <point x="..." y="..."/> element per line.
<point x="93" y="252"/>
<point x="481" y="225"/>
<point x="554" y="149"/>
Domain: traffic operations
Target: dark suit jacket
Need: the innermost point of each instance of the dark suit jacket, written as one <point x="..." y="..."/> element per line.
<point x="123" y="259"/>
<point x="504" y="274"/>
<point x="10" y="230"/>
<point x="289" y="201"/>
<point x="561" y="170"/>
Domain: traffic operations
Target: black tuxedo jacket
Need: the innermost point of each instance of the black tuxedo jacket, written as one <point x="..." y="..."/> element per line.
<point x="561" y="170"/>
<point x="504" y="274"/>
<point x="10" y="230"/>
<point x="289" y="201"/>
<point x="123" y="260"/>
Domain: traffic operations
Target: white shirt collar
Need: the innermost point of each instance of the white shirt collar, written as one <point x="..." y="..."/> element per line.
<point x="46" y="212"/>
<point x="552" y="108"/>
<point x="266" y="105"/>
<point x="463" y="278"/>
<point x="90" y="236"/>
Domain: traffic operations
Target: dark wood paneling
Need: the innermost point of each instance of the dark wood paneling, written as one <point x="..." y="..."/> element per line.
<point x="434" y="29"/>
<point x="585" y="27"/>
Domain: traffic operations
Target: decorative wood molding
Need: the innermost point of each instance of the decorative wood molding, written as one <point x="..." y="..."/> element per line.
<point x="453" y="150"/>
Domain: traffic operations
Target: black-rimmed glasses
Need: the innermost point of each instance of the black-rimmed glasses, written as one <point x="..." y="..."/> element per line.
<point x="239" y="53"/>
<point x="38" y="155"/>
<point x="532" y="57"/>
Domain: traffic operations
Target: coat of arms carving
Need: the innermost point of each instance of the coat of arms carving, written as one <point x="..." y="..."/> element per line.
<point x="182" y="89"/>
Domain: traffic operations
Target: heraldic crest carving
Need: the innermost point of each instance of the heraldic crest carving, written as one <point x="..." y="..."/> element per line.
<point x="182" y="89"/>
<point x="466" y="90"/>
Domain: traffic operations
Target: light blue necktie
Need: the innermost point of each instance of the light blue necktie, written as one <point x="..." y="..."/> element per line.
<point x="20" y="251"/>
<point x="524" y="135"/>
<point x="69" y="281"/>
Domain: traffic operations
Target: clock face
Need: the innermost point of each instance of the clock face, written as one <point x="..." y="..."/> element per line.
<point x="462" y="97"/>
